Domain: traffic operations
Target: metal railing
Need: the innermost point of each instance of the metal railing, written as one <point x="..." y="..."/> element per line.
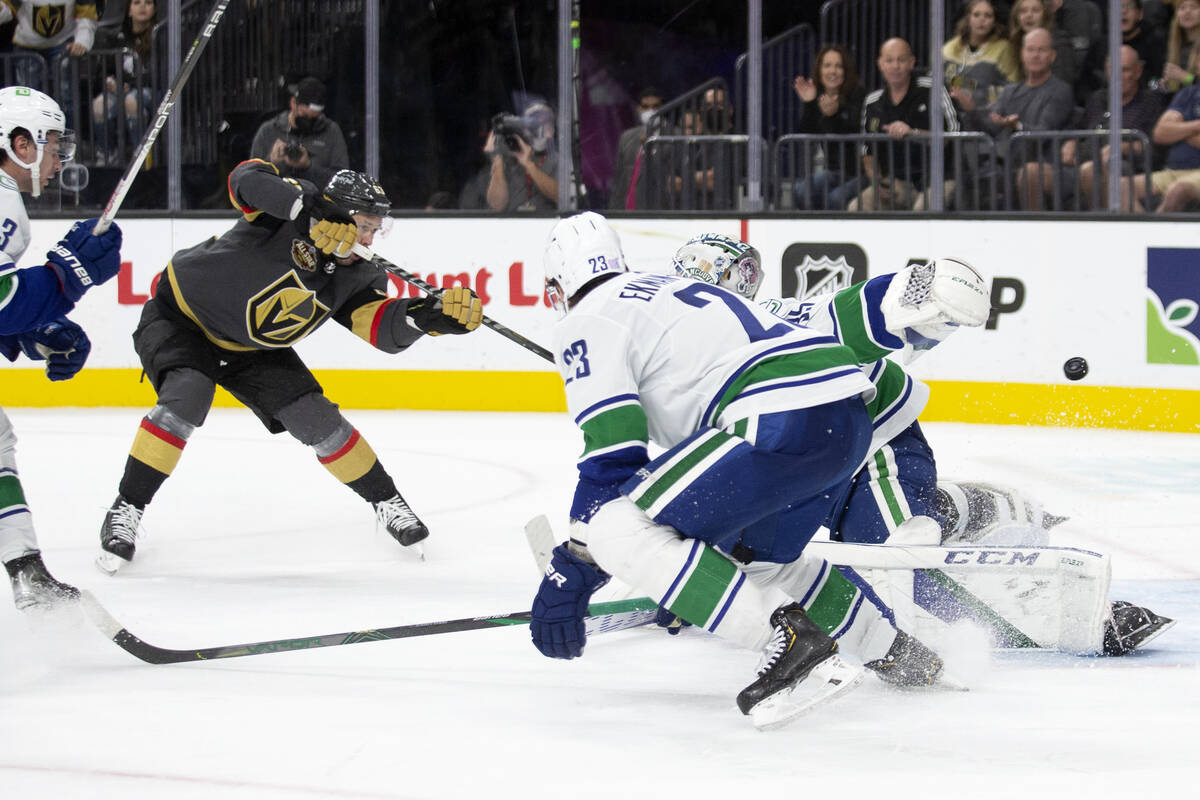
<point x="1071" y="187"/>
<point x="25" y="69"/>
<point x="694" y="173"/>
<point x="785" y="56"/>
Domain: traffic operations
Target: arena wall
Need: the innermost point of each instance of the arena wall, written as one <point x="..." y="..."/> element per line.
<point x="1122" y="295"/>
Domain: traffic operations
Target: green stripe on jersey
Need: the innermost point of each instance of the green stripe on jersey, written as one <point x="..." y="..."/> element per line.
<point x="8" y="285"/>
<point x="833" y="603"/>
<point x="704" y="588"/>
<point x="889" y="387"/>
<point x="615" y="426"/>
<point x="852" y="324"/>
<point x="11" y="493"/>
<point x="883" y="479"/>
<point x="659" y="484"/>
<point x="790" y="365"/>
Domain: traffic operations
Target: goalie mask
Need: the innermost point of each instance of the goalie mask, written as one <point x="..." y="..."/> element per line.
<point x="31" y="111"/>
<point x="721" y="260"/>
<point x="580" y="249"/>
<point x="359" y="193"/>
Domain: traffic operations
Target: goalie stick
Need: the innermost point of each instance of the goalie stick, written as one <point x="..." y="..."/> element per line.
<point x="602" y="617"/>
<point x="160" y="116"/>
<point x="505" y="331"/>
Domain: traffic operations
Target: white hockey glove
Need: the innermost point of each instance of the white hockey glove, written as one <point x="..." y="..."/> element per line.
<point x="925" y="303"/>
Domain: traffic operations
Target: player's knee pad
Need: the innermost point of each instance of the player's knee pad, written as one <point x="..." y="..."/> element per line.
<point x="187" y="394"/>
<point x="315" y="421"/>
<point x="624" y="541"/>
<point x="8" y="438"/>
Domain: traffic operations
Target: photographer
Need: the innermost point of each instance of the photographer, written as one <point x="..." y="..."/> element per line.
<point x="523" y="161"/>
<point x="302" y="142"/>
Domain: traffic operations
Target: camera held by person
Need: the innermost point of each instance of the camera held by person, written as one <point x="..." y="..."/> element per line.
<point x="301" y="141"/>
<point x="507" y="129"/>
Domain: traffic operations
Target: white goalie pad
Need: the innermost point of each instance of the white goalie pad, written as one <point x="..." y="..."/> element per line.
<point x="1054" y="598"/>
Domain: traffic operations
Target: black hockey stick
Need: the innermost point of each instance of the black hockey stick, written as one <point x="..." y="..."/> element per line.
<point x="603" y="617"/>
<point x="160" y="118"/>
<point x="503" y="330"/>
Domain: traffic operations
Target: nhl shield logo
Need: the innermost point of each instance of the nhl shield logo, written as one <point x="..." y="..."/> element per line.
<point x="812" y="268"/>
<point x="304" y="255"/>
<point x="822" y="275"/>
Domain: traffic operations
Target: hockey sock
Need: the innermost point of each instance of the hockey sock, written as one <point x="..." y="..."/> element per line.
<point x="156" y="449"/>
<point x="16" y="523"/>
<point x="352" y="461"/>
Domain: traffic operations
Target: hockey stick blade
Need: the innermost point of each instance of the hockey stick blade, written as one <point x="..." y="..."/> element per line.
<point x="505" y="331"/>
<point x="601" y="617"/>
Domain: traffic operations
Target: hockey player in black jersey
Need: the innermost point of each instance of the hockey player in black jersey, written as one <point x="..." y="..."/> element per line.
<point x="228" y="311"/>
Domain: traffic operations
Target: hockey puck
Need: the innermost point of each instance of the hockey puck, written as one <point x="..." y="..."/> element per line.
<point x="1075" y="368"/>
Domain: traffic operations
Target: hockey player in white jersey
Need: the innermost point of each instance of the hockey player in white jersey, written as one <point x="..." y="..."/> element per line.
<point x="899" y="483"/>
<point x="761" y="421"/>
<point x="34" y="301"/>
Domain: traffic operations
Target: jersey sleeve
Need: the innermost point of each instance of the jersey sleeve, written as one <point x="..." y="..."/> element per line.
<point x="854" y="316"/>
<point x="256" y="188"/>
<point x="380" y="320"/>
<point x="28" y="298"/>
<point x="593" y="356"/>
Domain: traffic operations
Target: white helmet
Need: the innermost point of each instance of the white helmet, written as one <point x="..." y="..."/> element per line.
<point x="36" y="113"/>
<point x="721" y="260"/>
<point x="580" y="249"/>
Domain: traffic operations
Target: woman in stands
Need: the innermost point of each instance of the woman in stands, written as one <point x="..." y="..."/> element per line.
<point x="1183" y="56"/>
<point x="134" y="37"/>
<point x="979" y="61"/>
<point x="1029" y="14"/>
<point x="833" y="101"/>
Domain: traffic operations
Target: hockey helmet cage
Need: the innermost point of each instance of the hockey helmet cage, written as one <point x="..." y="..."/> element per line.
<point x="723" y="261"/>
<point x="22" y="108"/>
<point x="357" y="193"/>
<point x="581" y="248"/>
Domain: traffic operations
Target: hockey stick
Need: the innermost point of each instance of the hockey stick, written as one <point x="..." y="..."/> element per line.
<point x="160" y="119"/>
<point x="503" y="330"/>
<point x="602" y="617"/>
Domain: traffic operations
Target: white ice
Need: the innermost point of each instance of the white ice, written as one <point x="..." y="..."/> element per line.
<point x="251" y="539"/>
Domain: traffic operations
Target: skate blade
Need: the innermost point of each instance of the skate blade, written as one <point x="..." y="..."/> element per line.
<point x="416" y="549"/>
<point x="108" y="563"/>
<point x="827" y="681"/>
<point x="1162" y="628"/>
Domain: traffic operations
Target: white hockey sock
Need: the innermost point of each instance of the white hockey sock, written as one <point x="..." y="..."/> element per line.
<point x="691" y="579"/>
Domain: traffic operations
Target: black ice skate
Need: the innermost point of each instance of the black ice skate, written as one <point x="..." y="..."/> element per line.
<point x="907" y="663"/>
<point x="34" y="588"/>
<point x="799" y="670"/>
<point x="118" y="535"/>
<point x="1131" y="627"/>
<point x="400" y="521"/>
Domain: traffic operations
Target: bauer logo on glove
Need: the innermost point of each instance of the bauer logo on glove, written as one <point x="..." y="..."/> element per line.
<point x="456" y="310"/>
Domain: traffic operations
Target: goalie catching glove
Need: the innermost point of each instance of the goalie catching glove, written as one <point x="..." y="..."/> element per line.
<point x="331" y="229"/>
<point x="455" y="310"/>
<point x="927" y="302"/>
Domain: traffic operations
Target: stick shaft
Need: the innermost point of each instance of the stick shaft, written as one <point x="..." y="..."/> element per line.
<point x="160" y="118"/>
<point x="503" y="330"/>
<point x="601" y="616"/>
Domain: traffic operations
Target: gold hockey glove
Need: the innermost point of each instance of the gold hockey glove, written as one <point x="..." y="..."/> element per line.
<point x="334" y="238"/>
<point x="457" y="310"/>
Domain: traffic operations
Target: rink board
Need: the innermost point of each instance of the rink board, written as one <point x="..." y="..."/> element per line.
<point x="1122" y="295"/>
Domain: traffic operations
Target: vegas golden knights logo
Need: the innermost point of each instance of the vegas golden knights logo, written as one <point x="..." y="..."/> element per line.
<point x="284" y="313"/>
<point x="48" y="21"/>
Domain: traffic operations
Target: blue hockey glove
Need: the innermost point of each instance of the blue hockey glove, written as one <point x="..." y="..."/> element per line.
<point x="665" y="619"/>
<point x="63" y="345"/>
<point x="82" y="260"/>
<point x="561" y="604"/>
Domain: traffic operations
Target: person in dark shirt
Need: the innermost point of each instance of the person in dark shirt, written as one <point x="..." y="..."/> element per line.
<point x="833" y="101"/>
<point x="1142" y="36"/>
<point x="896" y="172"/>
<point x="1179" y="182"/>
<point x="229" y="311"/>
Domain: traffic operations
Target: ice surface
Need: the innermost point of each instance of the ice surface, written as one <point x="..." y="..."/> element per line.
<point x="251" y="539"/>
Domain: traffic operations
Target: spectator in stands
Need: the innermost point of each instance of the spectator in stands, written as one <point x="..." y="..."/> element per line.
<point x="896" y="172"/>
<point x="1030" y="14"/>
<point x="302" y="142"/>
<point x="1183" y="54"/>
<point x="627" y="171"/>
<point x="1178" y="184"/>
<point x="53" y="32"/>
<point x="1140" y="109"/>
<point x="134" y="36"/>
<point x="833" y="101"/>
<point x="1043" y="102"/>
<point x="979" y="61"/>
<point x="1142" y="36"/>
<point x="524" y="168"/>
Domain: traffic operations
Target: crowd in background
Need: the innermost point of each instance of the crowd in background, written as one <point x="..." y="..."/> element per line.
<point x="466" y="121"/>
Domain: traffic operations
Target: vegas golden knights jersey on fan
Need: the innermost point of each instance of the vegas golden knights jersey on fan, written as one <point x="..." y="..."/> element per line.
<point x="264" y="285"/>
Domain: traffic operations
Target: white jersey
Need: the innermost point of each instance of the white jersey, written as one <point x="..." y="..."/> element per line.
<point x="688" y="354"/>
<point x="42" y="24"/>
<point x="14" y="234"/>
